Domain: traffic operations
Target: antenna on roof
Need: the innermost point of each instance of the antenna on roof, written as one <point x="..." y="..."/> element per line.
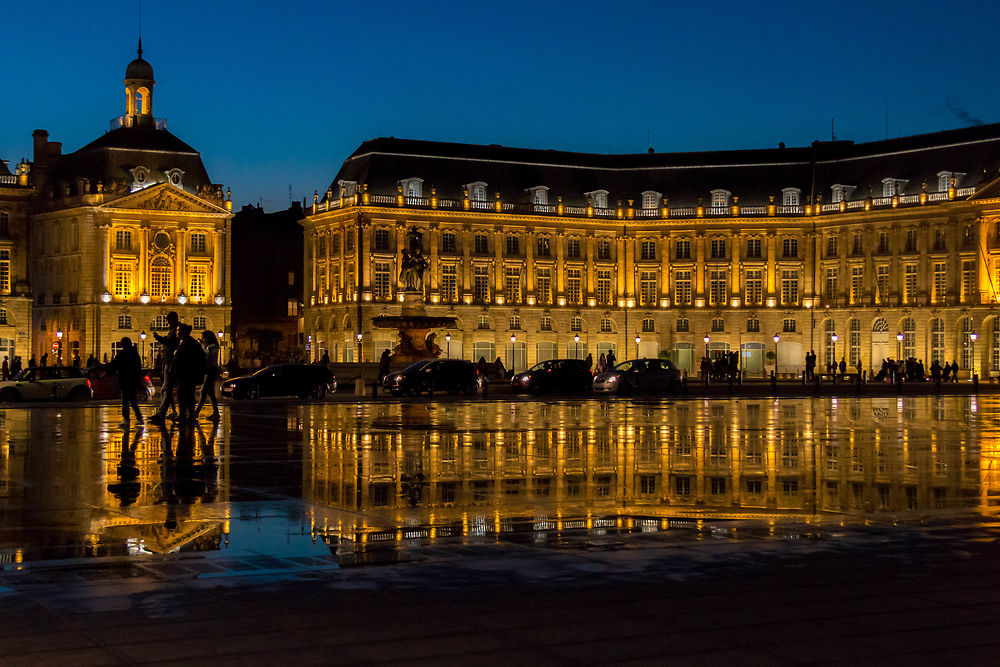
<point x="648" y="144"/>
<point x="887" y="119"/>
<point x="289" y="194"/>
<point x="140" y="28"/>
<point x="833" y="135"/>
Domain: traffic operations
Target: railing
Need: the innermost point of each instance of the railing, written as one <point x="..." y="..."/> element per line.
<point x="8" y="179"/>
<point x="530" y="208"/>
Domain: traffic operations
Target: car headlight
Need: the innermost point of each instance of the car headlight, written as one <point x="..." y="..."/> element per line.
<point x="525" y="380"/>
<point x="612" y="379"/>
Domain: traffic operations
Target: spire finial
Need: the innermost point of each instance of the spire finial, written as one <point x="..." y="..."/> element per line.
<point x="139" y="50"/>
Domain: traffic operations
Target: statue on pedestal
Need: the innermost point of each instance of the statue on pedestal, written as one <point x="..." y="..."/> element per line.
<point x="411" y="271"/>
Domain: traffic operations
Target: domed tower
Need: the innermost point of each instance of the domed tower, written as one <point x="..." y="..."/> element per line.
<point x="139" y="84"/>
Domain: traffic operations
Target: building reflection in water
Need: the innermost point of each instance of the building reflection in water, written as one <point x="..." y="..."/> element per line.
<point x="74" y="486"/>
<point x="427" y="470"/>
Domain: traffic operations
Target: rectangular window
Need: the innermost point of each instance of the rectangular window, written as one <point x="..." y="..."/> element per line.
<point x="911" y="241"/>
<point x="647" y="250"/>
<point x="940" y="282"/>
<point x="603" y="249"/>
<point x="882" y="283"/>
<point x="573" y="248"/>
<point x="349" y="239"/>
<point x="718" y="248"/>
<point x="910" y="283"/>
<point x="753" y="248"/>
<point x="123" y="239"/>
<point x="481" y="244"/>
<point x="789" y="247"/>
<point x="718" y="287"/>
<point x="789" y="287"/>
<point x="969" y="281"/>
<point x="683" y="247"/>
<point x="573" y="293"/>
<point x="857" y="284"/>
<point x="753" y="282"/>
<point x="831" y="246"/>
<point x="682" y="287"/>
<point x="543" y="286"/>
<point x="449" y="283"/>
<point x="293" y="307"/>
<point x="604" y="287"/>
<point x="198" y="281"/>
<point x="647" y="288"/>
<point x="448" y="244"/>
<point x="199" y="243"/>
<point x="123" y="280"/>
<point x="858" y="247"/>
<point x="855" y="341"/>
<point x="5" y="271"/>
<point x="543" y="247"/>
<point x="513" y="245"/>
<point x="335" y="243"/>
<point x="512" y="284"/>
<point x="382" y="240"/>
<point x="481" y="284"/>
<point x="831" y="283"/>
<point x="381" y="288"/>
<point x="883" y="243"/>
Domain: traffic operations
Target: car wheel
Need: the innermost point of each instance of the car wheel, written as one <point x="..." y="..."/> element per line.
<point x="319" y="391"/>
<point x="9" y="396"/>
<point x="79" y="395"/>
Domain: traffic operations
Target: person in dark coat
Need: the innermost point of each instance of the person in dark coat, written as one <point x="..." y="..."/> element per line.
<point x="45" y="359"/>
<point x="384" y="364"/>
<point x="210" y="343"/>
<point x="168" y="344"/>
<point x="188" y="370"/>
<point x="128" y="367"/>
<point x="611" y="359"/>
<point x="76" y="359"/>
<point x="31" y="362"/>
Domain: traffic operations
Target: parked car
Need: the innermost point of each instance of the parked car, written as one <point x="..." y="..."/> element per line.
<point x="302" y="380"/>
<point x="47" y="382"/>
<point x="559" y="375"/>
<point x="640" y="375"/>
<point x="104" y="383"/>
<point x="447" y="375"/>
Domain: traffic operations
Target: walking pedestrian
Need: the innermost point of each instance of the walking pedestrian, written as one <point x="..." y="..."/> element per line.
<point x="611" y="359"/>
<point x="15" y="366"/>
<point x="384" y="364"/>
<point x="76" y="359"/>
<point x="5" y="370"/>
<point x="590" y="361"/>
<point x="168" y="344"/>
<point x="188" y="371"/>
<point x="128" y="367"/>
<point x="602" y="363"/>
<point x="211" y="345"/>
<point x="45" y="359"/>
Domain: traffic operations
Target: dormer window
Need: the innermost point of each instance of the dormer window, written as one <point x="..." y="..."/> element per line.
<point x="140" y="178"/>
<point x="791" y="196"/>
<point x="412" y="187"/>
<point x="893" y="186"/>
<point x="175" y="177"/>
<point x="650" y="199"/>
<point x="347" y="188"/>
<point x="598" y="198"/>
<point x="477" y="191"/>
<point x="944" y="179"/>
<point x="720" y="198"/>
<point x="841" y="192"/>
<point x="539" y="195"/>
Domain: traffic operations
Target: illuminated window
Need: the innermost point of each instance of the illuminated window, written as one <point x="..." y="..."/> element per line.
<point x="539" y="195"/>
<point x="123" y="239"/>
<point x="449" y="283"/>
<point x="753" y="283"/>
<point x="481" y="244"/>
<point x="648" y="325"/>
<point x="382" y="239"/>
<point x="480" y="284"/>
<point x="831" y="283"/>
<point x="159" y="278"/>
<point x="789" y="287"/>
<point x="576" y="324"/>
<point x="607" y="326"/>
<point x="857" y="284"/>
<point x="753" y="248"/>
<point x="909" y="338"/>
<point x="199" y="243"/>
<point x="647" y="250"/>
<point x="682" y="287"/>
<point x="720" y="198"/>
<point x="412" y="187"/>
<point x="123" y="280"/>
<point x="381" y="285"/>
<point x="718" y="286"/>
<point x="478" y="192"/>
<point x="882" y="283"/>
<point x="198" y="283"/>
<point x="937" y="340"/>
<point x="966" y="342"/>
<point x="790" y="196"/>
<point x="647" y="288"/>
<point x="543" y="286"/>
<point x="573" y="292"/>
<point x="603" y="249"/>
<point x="573" y="248"/>
<point x="604" y="286"/>
<point x="909" y="283"/>
<point x="854" y="329"/>
<point x="448" y="244"/>
<point x="650" y="199"/>
<point x="512" y="284"/>
<point x="829" y="347"/>
<point x="940" y="282"/>
<point x="969" y="294"/>
<point x="598" y="198"/>
<point x="4" y="271"/>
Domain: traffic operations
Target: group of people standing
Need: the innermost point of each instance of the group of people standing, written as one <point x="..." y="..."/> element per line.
<point x="187" y="364"/>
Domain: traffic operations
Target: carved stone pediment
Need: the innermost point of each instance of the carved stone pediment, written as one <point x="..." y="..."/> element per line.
<point x="164" y="197"/>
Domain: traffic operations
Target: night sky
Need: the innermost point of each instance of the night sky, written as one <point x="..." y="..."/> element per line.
<point x="280" y="93"/>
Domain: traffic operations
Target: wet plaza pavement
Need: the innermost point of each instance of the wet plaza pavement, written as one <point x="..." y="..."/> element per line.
<point x="751" y="530"/>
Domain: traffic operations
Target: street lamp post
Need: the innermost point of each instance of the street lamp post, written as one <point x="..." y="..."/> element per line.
<point x="142" y="337"/>
<point x="513" y="348"/>
<point x="972" y="367"/>
<point x="776" y="339"/>
<point x="59" y="335"/>
<point x="576" y="347"/>
<point x="899" y="342"/>
<point x="638" y="340"/>
<point x="707" y="341"/>
<point x="835" y="338"/>
<point x="447" y="340"/>
<point x="359" y="346"/>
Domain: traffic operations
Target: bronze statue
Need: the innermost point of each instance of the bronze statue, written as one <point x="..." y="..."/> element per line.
<point x="411" y="272"/>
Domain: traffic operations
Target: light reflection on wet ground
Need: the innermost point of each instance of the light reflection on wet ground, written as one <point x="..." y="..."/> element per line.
<point x="289" y="485"/>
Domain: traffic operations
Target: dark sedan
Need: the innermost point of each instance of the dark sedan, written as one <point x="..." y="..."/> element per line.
<point x="105" y="383"/>
<point x="446" y="375"/>
<point x="554" y="375"/>
<point x="302" y="380"/>
<point x="640" y="375"/>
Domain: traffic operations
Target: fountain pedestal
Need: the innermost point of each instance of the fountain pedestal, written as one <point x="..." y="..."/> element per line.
<point x="416" y="342"/>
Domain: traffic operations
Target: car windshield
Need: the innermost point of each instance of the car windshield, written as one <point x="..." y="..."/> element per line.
<point x="26" y="374"/>
<point x="416" y="366"/>
<point x="540" y="366"/>
<point x="267" y="370"/>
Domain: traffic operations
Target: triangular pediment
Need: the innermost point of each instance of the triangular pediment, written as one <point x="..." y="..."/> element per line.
<point x="164" y="197"/>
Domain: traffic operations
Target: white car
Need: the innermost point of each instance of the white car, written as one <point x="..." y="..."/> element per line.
<point x="58" y="383"/>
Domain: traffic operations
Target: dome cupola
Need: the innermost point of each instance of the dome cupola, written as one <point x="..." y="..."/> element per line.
<point x="139" y="84"/>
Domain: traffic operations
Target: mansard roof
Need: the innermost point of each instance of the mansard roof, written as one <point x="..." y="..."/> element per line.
<point x="110" y="157"/>
<point x="4" y="170"/>
<point x="753" y="175"/>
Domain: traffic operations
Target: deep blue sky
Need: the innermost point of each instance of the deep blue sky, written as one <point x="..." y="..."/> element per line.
<point x="280" y="93"/>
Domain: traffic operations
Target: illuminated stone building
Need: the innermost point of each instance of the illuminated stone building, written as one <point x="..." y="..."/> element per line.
<point x="123" y="230"/>
<point x="15" y="299"/>
<point x="891" y="246"/>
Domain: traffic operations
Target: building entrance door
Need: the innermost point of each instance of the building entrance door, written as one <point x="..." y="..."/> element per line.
<point x="880" y="344"/>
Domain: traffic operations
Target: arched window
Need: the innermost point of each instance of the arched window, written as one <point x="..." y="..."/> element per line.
<point x="880" y="325"/>
<point x="966" y="342"/>
<point x="854" y="327"/>
<point x="909" y="338"/>
<point x="829" y="350"/>
<point x="333" y="323"/>
<point x="937" y="340"/>
<point x="159" y="278"/>
<point x="142" y="101"/>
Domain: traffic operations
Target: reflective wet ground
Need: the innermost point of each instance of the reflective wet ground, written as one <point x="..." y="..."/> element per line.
<point x="321" y="485"/>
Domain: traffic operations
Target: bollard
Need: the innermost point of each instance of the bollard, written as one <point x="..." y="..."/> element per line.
<point x="975" y="382"/>
<point x="375" y="389"/>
